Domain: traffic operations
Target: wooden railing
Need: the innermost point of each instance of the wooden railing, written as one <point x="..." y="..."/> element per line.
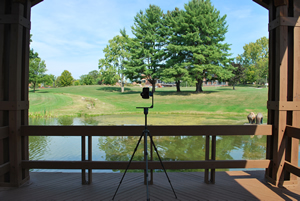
<point x="87" y="164"/>
<point x="292" y="132"/>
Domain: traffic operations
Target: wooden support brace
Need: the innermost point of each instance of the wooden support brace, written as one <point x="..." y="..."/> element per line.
<point x="292" y="132"/>
<point x="15" y="19"/>
<point x="284" y="21"/>
<point x="291" y="168"/>
<point x="14" y="105"/>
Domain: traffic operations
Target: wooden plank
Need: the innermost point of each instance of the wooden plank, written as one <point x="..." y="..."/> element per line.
<point x="283" y="105"/>
<point x="155" y="130"/>
<point x="271" y="87"/>
<point x="284" y="21"/>
<point x="15" y="19"/>
<point x="4" y="168"/>
<point x="296" y="89"/>
<point x="141" y="165"/>
<point x="3" y="132"/>
<point x="292" y="168"/>
<point x="281" y="86"/>
<point x="14" y="105"/>
<point x="293" y="132"/>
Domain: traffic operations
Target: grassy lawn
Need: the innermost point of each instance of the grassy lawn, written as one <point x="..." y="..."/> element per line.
<point x="220" y="103"/>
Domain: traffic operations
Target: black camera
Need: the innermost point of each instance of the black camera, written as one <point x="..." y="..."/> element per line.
<point x="146" y="93"/>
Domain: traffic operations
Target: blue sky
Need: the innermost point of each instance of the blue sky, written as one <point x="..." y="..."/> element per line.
<point x="71" y="34"/>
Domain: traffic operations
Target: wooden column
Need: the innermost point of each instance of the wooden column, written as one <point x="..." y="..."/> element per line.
<point x="14" y="67"/>
<point x="283" y="88"/>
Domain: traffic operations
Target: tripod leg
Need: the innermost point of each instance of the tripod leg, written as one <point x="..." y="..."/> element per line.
<point x="162" y="163"/>
<point x="128" y="164"/>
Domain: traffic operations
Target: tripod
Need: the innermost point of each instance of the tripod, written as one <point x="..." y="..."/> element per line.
<point x="145" y="134"/>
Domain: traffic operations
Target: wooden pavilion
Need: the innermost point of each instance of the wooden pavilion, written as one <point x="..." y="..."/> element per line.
<point x="283" y="129"/>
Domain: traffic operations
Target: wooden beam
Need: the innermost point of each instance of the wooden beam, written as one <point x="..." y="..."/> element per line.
<point x="14" y="105"/>
<point x="15" y="19"/>
<point x="4" y="168"/>
<point x="284" y="105"/>
<point x="263" y="3"/>
<point x="284" y="21"/>
<point x="292" y="132"/>
<point x="141" y="165"/>
<point x="3" y="132"/>
<point x="136" y="130"/>
<point x="291" y="168"/>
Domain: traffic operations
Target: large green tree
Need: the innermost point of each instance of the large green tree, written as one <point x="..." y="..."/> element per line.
<point x="176" y="68"/>
<point x="147" y="48"/>
<point x="115" y="55"/>
<point x="37" y="69"/>
<point x="255" y="60"/>
<point x="66" y="79"/>
<point x="203" y="42"/>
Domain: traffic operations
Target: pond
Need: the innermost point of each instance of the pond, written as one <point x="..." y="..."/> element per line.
<point x="173" y="148"/>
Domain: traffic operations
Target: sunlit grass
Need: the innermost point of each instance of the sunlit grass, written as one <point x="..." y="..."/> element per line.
<point x="220" y="103"/>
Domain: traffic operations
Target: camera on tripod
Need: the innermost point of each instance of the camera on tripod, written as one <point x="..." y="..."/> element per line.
<point x="146" y="93"/>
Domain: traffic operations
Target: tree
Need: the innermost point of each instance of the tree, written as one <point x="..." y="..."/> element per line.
<point x="147" y="49"/>
<point x="255" y="60"/>
<point x="32" y="54"/>
<point x="94" y="75"/>
<point x="175" y="69"/>
<point x="206" y="53"/>
<point x="57" y="82"/>
<point x="238" y="73"/>
<point x="66" y="79"/>
<point x="115" y="55"/>
<point x="109" y="75"/>
<point x="49" y="79"/>
<point x="37" y="68"/>
<point x="87" y="80"/>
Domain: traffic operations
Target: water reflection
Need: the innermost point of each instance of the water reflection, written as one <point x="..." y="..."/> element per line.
<point x="185" y="148"/>
<point x="174" y="148"/>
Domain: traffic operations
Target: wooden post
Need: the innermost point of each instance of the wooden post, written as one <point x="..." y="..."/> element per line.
<point x="14" y="65"/>
<point x="90" y="150"/>
<point x="283" y="87"/>
<point x="213" y="157"/>
<point x="294" y="143"/>
<point x="206" y="173"/>
<point x="83" y="158"/>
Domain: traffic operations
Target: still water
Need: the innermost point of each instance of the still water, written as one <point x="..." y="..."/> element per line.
<point x="177" y="148"/>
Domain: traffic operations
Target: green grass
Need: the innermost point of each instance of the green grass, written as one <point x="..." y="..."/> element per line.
<point x="215" y="102"/>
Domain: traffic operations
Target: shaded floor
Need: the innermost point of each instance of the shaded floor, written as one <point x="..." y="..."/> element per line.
<point x="232" y="185"/>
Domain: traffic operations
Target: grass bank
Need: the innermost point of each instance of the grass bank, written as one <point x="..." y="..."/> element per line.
<point x="216" y="102"/>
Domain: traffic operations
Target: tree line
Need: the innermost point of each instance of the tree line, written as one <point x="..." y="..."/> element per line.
<point x="178" y="46"/>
